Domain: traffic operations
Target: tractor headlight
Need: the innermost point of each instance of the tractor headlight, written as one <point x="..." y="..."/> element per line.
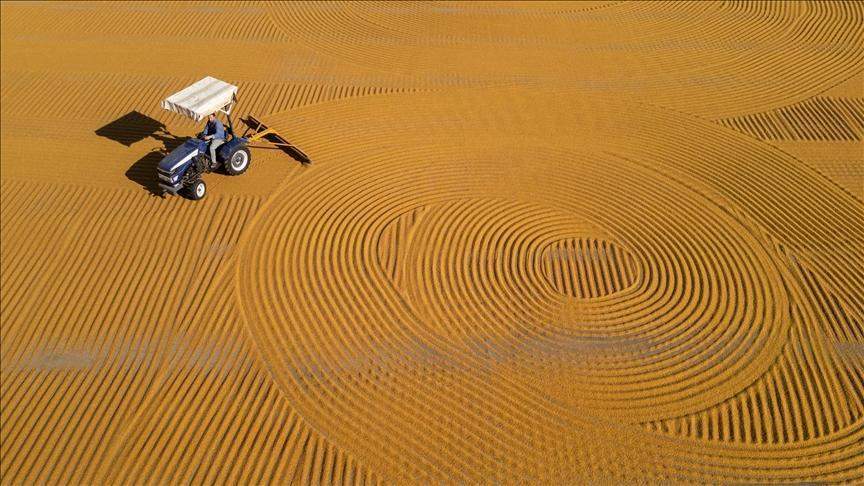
<point x="174" y="178"/>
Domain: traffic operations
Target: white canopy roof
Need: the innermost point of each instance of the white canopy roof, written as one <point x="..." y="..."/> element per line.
<point x="202" y="98"/>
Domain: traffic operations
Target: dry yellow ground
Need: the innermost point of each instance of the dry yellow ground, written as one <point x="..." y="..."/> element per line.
<point x="539" y="242"/>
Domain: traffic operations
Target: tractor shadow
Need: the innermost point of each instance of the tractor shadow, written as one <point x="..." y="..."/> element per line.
<point x="143" y="171"/>
<point x="130" y="128"/>
<point x="134" y="127"/>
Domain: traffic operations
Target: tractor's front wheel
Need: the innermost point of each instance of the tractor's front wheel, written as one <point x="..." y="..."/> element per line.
<point x="197" y="190"/>
<point x="238" y="162"/>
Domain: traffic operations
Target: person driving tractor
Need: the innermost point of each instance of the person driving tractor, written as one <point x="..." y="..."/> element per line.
<point x="215" y="133"/>
<point x="181" y="172"/>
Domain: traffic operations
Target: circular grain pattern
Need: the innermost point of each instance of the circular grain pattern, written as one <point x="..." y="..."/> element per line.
<point x="667" y="346"/>
<point x="401" y="299"/>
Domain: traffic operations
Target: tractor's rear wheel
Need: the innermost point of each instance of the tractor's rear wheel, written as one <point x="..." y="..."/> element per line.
<point x="197" y="190"/>
<point x="239" y="161"/>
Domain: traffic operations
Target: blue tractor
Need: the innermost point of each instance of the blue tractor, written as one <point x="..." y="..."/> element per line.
<point x="181" y="171"/>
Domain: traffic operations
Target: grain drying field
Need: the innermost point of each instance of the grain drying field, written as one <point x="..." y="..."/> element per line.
<point x="538" y="243"/>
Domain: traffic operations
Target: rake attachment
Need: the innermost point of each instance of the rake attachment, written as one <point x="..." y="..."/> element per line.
<point x="262" y="133"/>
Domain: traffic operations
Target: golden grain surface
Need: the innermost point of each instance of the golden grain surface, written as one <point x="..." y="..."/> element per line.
<point x="540" y="243"/>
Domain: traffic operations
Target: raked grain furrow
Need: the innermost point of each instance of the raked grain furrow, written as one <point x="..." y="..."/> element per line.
<point x="717" y="59"/>
<point x="394" y="241"/>
<point x="816" y="119"/>
<point x="110" y="96"/>
<point x="220" y="411"/>
<point x="139" y="372"/>
<point x="142" y="20"/>
<point x="82" y="392"/>
<point x="587" y="268"/>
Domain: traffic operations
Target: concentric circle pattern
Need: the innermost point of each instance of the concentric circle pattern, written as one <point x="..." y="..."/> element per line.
<point x="404" y="299"/>
<point x="538" y="243"/>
